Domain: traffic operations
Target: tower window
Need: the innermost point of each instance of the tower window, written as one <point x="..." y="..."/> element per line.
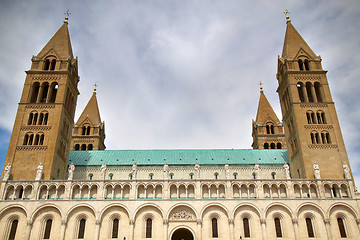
<point x="278" y="145"/>
<point x="308" y="91"/>
<point x="115" y="229"/>
<point x="278" y="227"/>
<point x="31" y="138"/>
<point x="31" y="116"/>
<point x="317" y="87"/>
<point x="83" y="147"/>
<point x="111" y="176"/>
<point x="53" y="63"/>
<point x="270" y="129"/>
<point x="36" y="141"/>
<point x="266" y="146"/>
<point x="83" y="130"/>
<point x="77" y="147"/>
<point x="148" y="228"/>
<point x="235" y="175"/>
<point x="13" y="229"/>
<point x="300" y="87"/>
<point x="309" y="227"/>
<point x="47" y="64"/>
<point x="246" y="227"/>
<point x="53" y="92"/>
<point x="214" y="225"/>
<point x="34" y="92"/>
<point x="171" y="176"/>
<point x="81" y="233"/>
<point x="151" y="175"/>
<point x="273" y="174"/>
<point x="88" y="130"/>
<point x="191" y="176"/>
<point x="272" y="145"/>
<point x="41" y="141"/>
<point x="307" y="65"/>
<point x="341" y="226"/>
<point x="90" y="147"/>
<point x="301" y="66"/>
<point x="47" y="229"/>
<point x="44" y="92"/>
<point x="91" y="176"/>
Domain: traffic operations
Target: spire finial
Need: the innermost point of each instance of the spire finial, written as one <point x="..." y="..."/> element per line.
<point x="95" y="85"/>
<point x="261" y="86"/>
<point x="67" y="13"/>
<point x="287" y="13"/>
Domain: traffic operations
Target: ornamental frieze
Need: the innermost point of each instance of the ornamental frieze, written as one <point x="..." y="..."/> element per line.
<point x="40" y="106"/>
<point x="31" y="148"/>
<point x="314" y="105"/>
<point x="323" y="146"/>
<point x="318" y="126"/>
<point x="35" y="128"/>
<point x="182" y="215"/>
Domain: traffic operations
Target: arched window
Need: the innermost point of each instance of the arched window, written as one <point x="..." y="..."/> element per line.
<point x="278" y="227"/>
<point x="36" y="141"/>
<point x="130" y="176"/>
<point x="246" y="227"/>
<point x="307" y="65"/>
<point x="53" y="92"/>
<point x="266" y="146"/>
<point x="91" y="176"/>
<point x="310" y="115"/>
<point x="300" y="87"/>
<point x="88" y="130"/>
<point x="191" y="176"/>
<point x="214" y="226"/>
<point x="309" y="227"/>
<point x="278" y="145"/>
<point x="115" y="228"/>
<point x="171" y="176"/>
<point x="317" y="87"/>
<point x="148" y="228"/>
<point x="47" y="229"/>
<point x="26" y="139"/>
<point x="41" y="141"/>
<point x="77" y="147"/>
<point x="83" y="130"/>
<point x="341" y="226"/>
<point x="30" y="139"/>
<point x="151" y="175"/>
<point x="273" y="174"/>
<point x="270" y="129"/>
<point x="44" y="92"/>
<point x="47" y="64"/>
<point x="34" y="118"/>
<point x="31" y="116"/>
<point x="83" y="147"/>
<point x="111" y="176"/>
<point x="254" y="175"/>
<point x="235" y="175"/>
<point x="81" y="233"/>
<point x="13" y="229"/>
<point x="216" y="175"/>
<point x="53" y="63"/>
<point x="327" y="137"/>
<point x="90" y="147"/>
<point x="34" y="92"/>
<point x="301" y="66"/>
<point x="272" y="145"/>
<point x="308" y="86"/>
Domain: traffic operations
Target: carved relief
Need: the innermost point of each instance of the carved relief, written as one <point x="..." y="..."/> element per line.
<point x="182" y="214"/>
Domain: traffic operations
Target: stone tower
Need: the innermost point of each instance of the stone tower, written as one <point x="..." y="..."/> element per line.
<point x="89" y="131"/>
<point x="312" y="128"/>
<point x="267" y="130"/>
<point x="45" y="116"/>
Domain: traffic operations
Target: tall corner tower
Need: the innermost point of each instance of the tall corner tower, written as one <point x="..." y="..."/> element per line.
<point x="45" y="116"/>
<point x="267" y="130"/>
<point x="312" y="128"/>
<point x="89" y="131"/>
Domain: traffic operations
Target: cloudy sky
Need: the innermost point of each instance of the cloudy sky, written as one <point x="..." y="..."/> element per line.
<point x="182" y="74"/>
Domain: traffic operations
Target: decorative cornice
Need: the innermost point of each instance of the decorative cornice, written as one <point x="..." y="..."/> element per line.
<point x="32" y="148"/>
<point x="318" y="126"/>
<point x="313" y="104"/>
<point x="35" y="128"/>
<point x="40" y="105"/>
<point x="323" y="146"/>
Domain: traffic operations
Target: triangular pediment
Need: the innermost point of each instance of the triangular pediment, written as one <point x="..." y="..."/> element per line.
<point x="302" y="53"/>
<point x="51" y="52"/>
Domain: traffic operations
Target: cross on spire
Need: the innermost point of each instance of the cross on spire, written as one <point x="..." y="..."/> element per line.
<point x="261" y="86"/>
<point x="287" y="13"/>
<point x="95" y="85"/>
<point x="67" y="13"/>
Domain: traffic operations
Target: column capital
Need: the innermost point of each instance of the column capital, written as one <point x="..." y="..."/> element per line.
<point x="98" y="222"/>
<point x="198" y="221"/>
<point x="63" y="222"/>
<point x="29" y="223"/>
<point x="263" y="221"/>
<point x="358" y="221"/>
<point x="231" y="221"/>
<point x="165" y="221"/>
<point x="294" y="221"/>
<point x="327" y="221"/>
<point x="131" y="222"/>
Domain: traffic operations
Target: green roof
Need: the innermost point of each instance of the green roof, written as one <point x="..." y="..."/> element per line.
<point x="179" y="157"/>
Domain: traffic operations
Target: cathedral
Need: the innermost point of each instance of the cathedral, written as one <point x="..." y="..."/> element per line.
<point x="59" y="182"/>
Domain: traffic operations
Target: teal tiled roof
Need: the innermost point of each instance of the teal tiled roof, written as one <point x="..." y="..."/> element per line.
<point x="179" y="157"/>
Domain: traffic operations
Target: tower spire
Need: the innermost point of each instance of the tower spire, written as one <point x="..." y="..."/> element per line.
<point x="67" y="13"/>
<point x="287" y="13"/>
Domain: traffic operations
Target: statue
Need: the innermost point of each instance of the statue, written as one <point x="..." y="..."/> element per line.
<point x="287" y="171"/>
<point x="346" y="171"/>
<point x="316" y="171"/>
<point x="7" y="171"/>
<point x="166" y="171"/>
<point x="257" y="170"/>
<point x="71" y="171"/>
<point x="134" y="171"/>
<point x="227" y="170"/>
<point x="39" y="171"/>
<point x="197" y="170"/>
<point x="103" y="171"/>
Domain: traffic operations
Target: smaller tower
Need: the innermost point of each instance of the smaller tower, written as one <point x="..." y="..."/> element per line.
<point x="89" y="131"/>
<point x="267" y="130"/>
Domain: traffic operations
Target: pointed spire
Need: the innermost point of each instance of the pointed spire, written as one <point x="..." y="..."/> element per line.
<point x="90" y="112"/>
<point x="293" y="42"/>
<point x="265" y="111"/>
<point x="60" y="44"/>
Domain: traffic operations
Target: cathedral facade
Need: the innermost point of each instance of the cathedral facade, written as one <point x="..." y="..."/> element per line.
<point x="59" y="182"/>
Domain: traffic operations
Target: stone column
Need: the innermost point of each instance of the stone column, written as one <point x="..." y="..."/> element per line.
<point x="198" y="189"/>
<point x="328" y="229"/>
<point x="166" y="227"/>
<point x="131" y="232"/>
<point x="97" y="229"/>
<point x="296" y="228"/>
<point x="231" y="223"/>
<point x="199" y="229"/>
<point x="263" y="228"/>
<point x="28" y="229"/>
<point x="62" y="231"/>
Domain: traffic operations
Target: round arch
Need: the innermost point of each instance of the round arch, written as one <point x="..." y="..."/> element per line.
<point x="147" y="205"/>
<point x="182" y="227"/>
<point x="307" y="204"/>
<point x="278" y="204"/>
<point x="212" y="205"/>
<point x="79" y="206"/>
<point x="352" y="210"/>
<point x="14" y="206"/>
<point x="257" y="210"/>
<point x="114" y="205"/>
<point x="49" y="205"/>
